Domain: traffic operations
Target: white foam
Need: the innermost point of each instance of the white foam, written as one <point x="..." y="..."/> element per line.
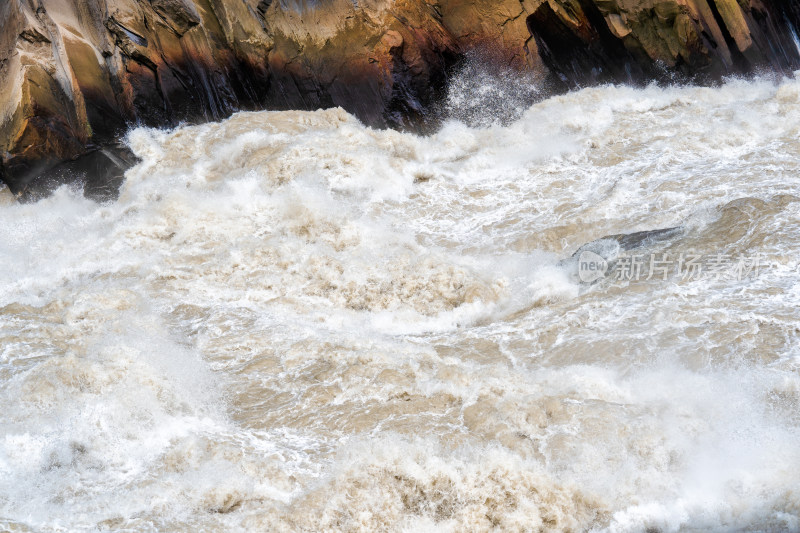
<point x="291" y="320"/>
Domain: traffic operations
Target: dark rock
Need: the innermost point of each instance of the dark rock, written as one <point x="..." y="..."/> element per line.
<point x="99" y="171"/>
<point x="627" y="41"/>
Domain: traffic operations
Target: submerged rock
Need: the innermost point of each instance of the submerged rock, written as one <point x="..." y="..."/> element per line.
<point x="596" y="259"/>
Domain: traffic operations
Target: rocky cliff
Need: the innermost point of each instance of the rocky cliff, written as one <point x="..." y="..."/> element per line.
<point x="74" y="74"/>
<point x="589" y="41"/>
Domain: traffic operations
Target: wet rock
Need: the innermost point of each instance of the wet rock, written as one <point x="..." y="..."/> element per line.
<point x="75" y="75"/>
<point x="99" y="171"/>
<point x="600" y="41"/>
<point x="600" y="255"/>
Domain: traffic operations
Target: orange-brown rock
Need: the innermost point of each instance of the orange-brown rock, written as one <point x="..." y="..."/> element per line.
<point x="75" y="74"/>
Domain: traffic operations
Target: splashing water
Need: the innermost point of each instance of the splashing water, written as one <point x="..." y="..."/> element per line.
<point x="289" y="321"/>
<point x="483" y="93"/>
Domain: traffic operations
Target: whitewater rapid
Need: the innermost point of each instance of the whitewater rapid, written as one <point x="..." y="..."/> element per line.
<point x="289" y="321"/>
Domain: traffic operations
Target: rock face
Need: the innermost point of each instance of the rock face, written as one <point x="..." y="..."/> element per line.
<point x="590" y="41"/>
<point x="75" y="74"/>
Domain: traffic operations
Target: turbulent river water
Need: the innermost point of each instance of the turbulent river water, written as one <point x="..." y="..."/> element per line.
<point x="289" y="321"/>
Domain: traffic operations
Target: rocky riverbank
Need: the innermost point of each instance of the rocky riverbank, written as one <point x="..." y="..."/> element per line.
<point x="75" y="75"/>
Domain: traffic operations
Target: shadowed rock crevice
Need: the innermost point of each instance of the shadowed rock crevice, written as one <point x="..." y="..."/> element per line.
<point x="579" y="48"/>
<point x="739" y="63"/>
<point x="584" y="42"/>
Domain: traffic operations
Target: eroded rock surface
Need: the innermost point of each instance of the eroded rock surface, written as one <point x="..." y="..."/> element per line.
<point x="74" y="75"/>
<point x="586" y="41"/>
